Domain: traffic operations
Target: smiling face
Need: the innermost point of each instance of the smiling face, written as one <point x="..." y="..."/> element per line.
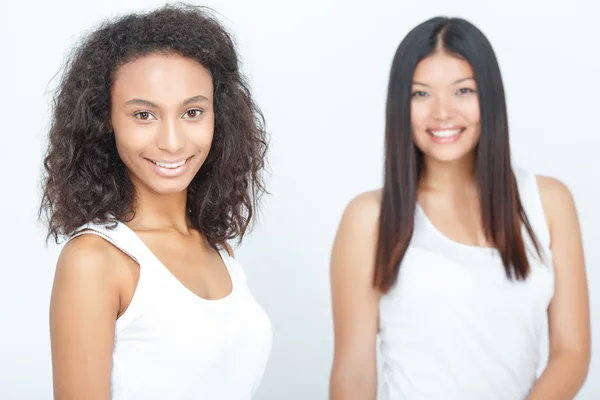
<point x="445" y="113"/>
<point x="163" y="120"/>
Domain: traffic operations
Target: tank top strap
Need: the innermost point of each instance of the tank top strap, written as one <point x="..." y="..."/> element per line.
<point x="236" y="272"/>
<point x="118" y="234"/>
<point x="532" y="204"/>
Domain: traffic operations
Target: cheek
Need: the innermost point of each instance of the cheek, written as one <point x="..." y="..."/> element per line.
<point x="132" y="138"/>
<point x="202" y="141"/>
<point x="470" y="111"/>
<point x="419" y="112"/>
<point x="202" y="133"/>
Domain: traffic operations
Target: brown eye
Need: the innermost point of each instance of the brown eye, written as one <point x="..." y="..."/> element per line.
<point x="143" y="115"/>
<point x="465" y="91"/>
<point x="194" y="113"/>
<point x="419" y="93"/>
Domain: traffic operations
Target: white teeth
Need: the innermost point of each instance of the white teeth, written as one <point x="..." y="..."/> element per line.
<point x="166" y="165"/>
<point x="445" y="133"/>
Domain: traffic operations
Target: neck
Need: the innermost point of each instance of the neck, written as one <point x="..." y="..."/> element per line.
<point x="449" y="176"/>
<point x="160" y="211"/>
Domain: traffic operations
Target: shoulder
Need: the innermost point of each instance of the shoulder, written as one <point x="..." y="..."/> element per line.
<point x="554" y="193"/>
<point x="88" y="259"/>
<point x="358" y="227"/>
<point x="550" y="186"/>
<point x="88" y="247"/>
<point x="364" y="208"/>
<point x="557" y="199"/>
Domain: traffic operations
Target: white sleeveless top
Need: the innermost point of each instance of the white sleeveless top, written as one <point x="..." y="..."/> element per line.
<point x="454" y="327"/>
<point x="172" y="344"/>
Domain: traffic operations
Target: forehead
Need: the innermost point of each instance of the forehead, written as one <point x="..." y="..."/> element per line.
<point x="442" y="69"/>
<point x="161" y="78"/>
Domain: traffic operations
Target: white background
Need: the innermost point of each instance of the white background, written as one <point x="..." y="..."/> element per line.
<point x="319" y="70"/>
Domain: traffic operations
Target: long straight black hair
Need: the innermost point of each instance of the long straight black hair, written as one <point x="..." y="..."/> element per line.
<point x="501" y="210"/>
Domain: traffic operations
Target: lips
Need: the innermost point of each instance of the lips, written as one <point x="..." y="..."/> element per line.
<point x="169" y="168"/>
<point x="445" y="133"/>
<point x="169" y="164"/>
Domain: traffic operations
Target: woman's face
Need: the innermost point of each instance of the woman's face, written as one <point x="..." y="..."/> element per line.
<point x="163" y="119"/>
<point x="445" y="114"/>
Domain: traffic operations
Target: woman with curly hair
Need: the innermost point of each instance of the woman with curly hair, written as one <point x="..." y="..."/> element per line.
<point x="154" y="160"/>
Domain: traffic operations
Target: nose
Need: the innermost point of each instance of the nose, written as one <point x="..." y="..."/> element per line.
<point x="443" y="108"/>
<point x="171" y="137"/>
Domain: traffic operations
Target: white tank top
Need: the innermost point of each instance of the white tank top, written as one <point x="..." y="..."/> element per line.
<point x="172" y="344"/>
<point x="454" y="327"/>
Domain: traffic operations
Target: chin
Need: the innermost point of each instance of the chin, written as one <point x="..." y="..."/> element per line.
<point x="168" y="188"/>
<point x="449" y="152"/>
<point x="450" y="155"/>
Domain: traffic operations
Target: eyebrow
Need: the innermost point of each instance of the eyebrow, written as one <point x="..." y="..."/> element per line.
<point x="195" y="99"/>
<point x="141" y="102"/>
<point x="453" y="83"/>
<point x="148" y="103"/>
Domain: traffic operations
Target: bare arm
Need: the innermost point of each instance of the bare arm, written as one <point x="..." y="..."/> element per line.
<point x="355" y="302"/>
<point x="569" y="309"/>
<point x="83" y="310"/>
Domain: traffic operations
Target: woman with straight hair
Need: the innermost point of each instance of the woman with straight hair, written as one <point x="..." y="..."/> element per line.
<point x="461" y="261"/>
<point x="153" y="167"/>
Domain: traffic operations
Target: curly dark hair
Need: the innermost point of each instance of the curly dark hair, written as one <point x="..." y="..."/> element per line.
<point x="86" y="181"/>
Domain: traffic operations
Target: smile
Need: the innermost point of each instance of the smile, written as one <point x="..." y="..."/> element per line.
<point x="445" y="133"/>
<point x="171" y="165"/>
<point x="168" y="168"/>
